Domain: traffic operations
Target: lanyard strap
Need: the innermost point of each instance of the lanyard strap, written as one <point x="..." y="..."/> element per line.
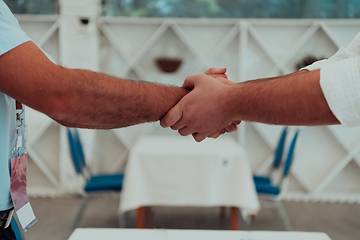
<point x="18" y="105"/>
<point x="19" y="119"/>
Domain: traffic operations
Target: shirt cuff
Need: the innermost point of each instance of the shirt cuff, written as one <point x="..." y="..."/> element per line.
<point x="316" y="65"/>
<point x="340" y="83"/>
<point x="341" y="54"/>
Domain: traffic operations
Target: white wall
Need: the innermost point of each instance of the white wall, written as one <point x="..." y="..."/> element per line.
<point x="327" y="164"/>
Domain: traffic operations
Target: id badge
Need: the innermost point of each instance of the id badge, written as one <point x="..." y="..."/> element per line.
<point x="18" y="191"/>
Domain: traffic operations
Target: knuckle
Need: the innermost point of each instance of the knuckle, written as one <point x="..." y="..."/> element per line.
<point x="183" y="133"/>
<point x="163" y="123"/>
<point x="166" y="122"/>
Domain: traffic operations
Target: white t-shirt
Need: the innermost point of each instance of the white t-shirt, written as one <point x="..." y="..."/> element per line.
<point x="11" y="36"/>
<point x="340" y="82"/>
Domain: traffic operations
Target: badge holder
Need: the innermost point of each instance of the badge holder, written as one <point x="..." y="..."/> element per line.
<point x="18" y="192"/>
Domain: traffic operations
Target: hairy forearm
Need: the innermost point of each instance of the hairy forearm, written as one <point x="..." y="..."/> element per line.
<point x="94" y="100"/>
<point x="294" y="99"/>
<point x="81" y="98"/>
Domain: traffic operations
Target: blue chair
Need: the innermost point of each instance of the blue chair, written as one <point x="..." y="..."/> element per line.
<point x="93" y="183"/>
<point x="277" y="159"/>
<point x="270" y="191"/>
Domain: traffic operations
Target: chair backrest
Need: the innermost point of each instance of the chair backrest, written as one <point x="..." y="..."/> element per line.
<point x="279" y="150"/>
<point x="76" y="150"/>
<point x="290" y="155"/>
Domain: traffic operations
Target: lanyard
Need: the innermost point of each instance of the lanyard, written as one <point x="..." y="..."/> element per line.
<point x="18" y="192"/>
<point x="19" y="119"/>
<point x="18" y="105"/>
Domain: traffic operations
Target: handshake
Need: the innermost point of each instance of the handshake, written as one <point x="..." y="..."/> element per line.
<point x="204" y="111"/>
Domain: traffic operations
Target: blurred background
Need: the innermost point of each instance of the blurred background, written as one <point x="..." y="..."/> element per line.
<point x="166" y="41"/>
<point x="208" y="9"/>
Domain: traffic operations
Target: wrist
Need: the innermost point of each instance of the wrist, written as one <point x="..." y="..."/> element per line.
<point x="231" y="104"/>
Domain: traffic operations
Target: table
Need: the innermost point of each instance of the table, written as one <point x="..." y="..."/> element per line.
<point x="134" y="234"/>
<point x="177" y="171"/>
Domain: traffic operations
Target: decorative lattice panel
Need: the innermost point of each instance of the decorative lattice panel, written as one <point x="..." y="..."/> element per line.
<point x="327" y="162"/>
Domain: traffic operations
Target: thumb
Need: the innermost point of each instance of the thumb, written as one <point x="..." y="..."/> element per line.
<point x="215" y="71"/>
<point x="191" y="81"/>
<point x="172" y="117"/>
<point x="218" y="75"/>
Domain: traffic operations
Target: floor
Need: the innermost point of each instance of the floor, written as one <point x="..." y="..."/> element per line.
<point x="55" y="217"/>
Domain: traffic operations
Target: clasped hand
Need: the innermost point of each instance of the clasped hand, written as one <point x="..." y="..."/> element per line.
<point x="205" y="111"/>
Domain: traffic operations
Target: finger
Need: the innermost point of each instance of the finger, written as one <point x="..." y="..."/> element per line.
<point x="215" y="71"/>
<point x="235" y="129"/>
<point x="172" y="117"/>
<point x="199" y="136"/>
<point x="185" y="131"/>
<point x="178" y="125"/>
<point x="189" y="81"/>
<point x="236" y="122"/>
<point x="215" y="135"/>
<point x="223" y="75"/>
<point x="230" y="128"/>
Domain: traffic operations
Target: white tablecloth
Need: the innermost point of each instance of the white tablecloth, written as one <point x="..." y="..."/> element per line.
<point x="177" y="171"/>
<point x="135" y="234"/>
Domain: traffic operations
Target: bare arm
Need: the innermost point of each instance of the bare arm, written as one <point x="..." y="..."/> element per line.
<point x="294" y="99"/>
<point x="81" y="98"/>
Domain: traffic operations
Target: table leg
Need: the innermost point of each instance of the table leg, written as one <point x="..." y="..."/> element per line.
<point x="150" y="217"/>
<point x="140" y="220"/>
<point x="222" y="212"/>
<point x="234" y="213"/>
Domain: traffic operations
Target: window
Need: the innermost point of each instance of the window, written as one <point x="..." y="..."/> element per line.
<point x="207" y="8"/>
<point x="234" y="8"/>
<point x="33" y="6"/>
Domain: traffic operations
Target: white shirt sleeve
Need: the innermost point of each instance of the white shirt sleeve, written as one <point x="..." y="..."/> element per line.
<point x="352" y="50"/>
<point x="340" y="82"/>
<point x="11" y="34"/>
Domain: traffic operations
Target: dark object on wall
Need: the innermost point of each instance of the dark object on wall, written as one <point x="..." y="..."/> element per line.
<point x="84" y="21"/>
<point x="306" y="61"/>
<point x="168" y="65"/>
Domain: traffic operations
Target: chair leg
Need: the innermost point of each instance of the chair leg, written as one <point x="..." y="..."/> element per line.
<point x="234" y="215"/>
<point x="248" y="220"/>
<point x="140" y="220"/>
<point x="283" y="216"/>
<point x="123" y="218"/>
<point x="79" y="214"/>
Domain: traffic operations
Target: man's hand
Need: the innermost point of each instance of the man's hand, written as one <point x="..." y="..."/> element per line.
<point x="203" y="112"/>
<point x="219" y="74"/>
